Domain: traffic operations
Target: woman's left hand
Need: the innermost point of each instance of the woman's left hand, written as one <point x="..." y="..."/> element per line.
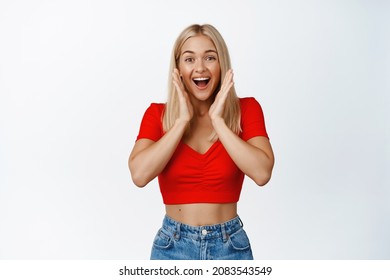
<point x="216" y="109"/>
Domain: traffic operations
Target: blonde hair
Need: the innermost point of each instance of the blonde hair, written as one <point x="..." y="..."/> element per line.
<point x="232" y="112"/>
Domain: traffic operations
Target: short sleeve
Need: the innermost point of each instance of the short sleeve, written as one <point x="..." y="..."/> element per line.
<point x="252" y="119"/>
<point x="151" y="124"/>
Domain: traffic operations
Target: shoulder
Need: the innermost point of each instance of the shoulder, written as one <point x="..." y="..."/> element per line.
<point x="157" y="106"/>
<point x="250" y="110"/>
<point x="151" y="124"/>
<point x="252" y="118"/>
<point x="156" y="109"/>
<point x="248" y="103"/>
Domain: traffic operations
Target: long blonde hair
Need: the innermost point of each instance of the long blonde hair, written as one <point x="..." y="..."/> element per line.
<point x="232" y="112"/>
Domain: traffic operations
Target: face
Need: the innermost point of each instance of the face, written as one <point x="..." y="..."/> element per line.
<point x="199" y="67"/>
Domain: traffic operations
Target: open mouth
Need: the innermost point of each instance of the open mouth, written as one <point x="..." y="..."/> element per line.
<point x="201" y="82"/>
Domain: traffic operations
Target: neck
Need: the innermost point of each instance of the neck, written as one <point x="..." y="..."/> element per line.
<point x="201" y="108"/>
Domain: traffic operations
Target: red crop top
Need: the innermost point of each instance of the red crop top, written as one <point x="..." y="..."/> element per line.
<point x="212" y="177"/>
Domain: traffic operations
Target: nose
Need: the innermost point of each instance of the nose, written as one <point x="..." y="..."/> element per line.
<point x="199" y="67"/>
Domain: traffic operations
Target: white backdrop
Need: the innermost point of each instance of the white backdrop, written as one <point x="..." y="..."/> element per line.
<point x="76" y="77"/>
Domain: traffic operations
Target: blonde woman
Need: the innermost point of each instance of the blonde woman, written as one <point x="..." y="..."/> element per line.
<point x="200" y="144"/>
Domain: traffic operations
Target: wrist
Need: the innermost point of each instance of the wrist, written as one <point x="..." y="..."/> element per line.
<point x="218" y="121"/>
<point x="181" y="123"/>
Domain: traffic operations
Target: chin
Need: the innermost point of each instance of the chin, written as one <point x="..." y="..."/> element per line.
<point x="202" y="96"/>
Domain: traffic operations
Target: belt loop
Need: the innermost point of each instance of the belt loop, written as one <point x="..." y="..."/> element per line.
<point x="176" y="235"/>
<point x="224" y="234"/>
<point x="241" y="223"/>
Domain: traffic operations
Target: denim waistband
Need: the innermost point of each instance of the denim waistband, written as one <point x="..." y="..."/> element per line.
<point x="222" y="230"/>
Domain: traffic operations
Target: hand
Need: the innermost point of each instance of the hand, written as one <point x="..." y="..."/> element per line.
<point x="186" y="110"/>
<point x="216" y="109"/>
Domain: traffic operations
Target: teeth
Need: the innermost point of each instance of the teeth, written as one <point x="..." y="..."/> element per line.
<point x="201" y="79"/>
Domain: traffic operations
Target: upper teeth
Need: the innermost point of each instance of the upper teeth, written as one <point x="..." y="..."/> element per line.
<point x="201" y="79"/>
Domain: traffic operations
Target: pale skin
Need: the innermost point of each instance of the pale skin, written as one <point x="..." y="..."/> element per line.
<point x="254" y="157"/>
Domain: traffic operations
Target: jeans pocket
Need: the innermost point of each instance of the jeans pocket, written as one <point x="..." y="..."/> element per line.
<point x="239" y="240"/>
<point x="163" y="240"/>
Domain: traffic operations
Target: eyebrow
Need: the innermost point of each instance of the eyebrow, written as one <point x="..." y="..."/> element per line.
<point x="191" y="52"/>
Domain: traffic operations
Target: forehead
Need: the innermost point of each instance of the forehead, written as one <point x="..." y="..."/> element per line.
<point x="199" y="43"/>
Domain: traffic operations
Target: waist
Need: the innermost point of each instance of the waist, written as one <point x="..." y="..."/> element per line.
<point x="220" y="230"/>
<point x="199" y="214"/>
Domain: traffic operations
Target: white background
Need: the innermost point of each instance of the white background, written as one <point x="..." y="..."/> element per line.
<point x="77" y="76"/>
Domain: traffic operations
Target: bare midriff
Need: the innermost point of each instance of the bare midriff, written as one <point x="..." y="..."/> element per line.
<point x="202" y="214"/>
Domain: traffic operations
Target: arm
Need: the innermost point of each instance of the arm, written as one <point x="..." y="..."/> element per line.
<point x="254" y="157"/>
<point x="148" y="158"/>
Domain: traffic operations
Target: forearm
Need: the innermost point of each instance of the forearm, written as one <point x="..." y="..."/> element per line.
<point x="255" y="161"/>
<point x="145" y="163"/>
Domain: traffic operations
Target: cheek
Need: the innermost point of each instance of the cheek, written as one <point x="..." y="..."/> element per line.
<point x="186" y="80"/>
<point x="185" y="75"/>
<point x="216" y="72"/>
<point x="183" y="69"/>
<point x="217" y="76"/>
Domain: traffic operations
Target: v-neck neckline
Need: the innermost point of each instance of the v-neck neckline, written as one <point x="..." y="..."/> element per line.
<point x="209" y="150"/>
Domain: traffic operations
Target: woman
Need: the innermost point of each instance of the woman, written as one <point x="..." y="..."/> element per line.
<point x="200" y="144"/>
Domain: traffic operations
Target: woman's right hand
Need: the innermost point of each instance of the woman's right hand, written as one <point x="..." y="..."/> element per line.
<point x="186" y="110"/>
<point x="149" y="158"/>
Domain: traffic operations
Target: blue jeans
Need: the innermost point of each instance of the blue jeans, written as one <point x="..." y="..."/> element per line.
<point x="177" y="241"/>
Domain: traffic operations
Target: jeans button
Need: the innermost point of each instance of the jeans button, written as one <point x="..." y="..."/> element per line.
<point x="204" y="231"/>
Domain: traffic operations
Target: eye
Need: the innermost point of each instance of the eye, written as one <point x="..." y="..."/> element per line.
<point x="189" y="59"/>
<point x="210" y="58"/>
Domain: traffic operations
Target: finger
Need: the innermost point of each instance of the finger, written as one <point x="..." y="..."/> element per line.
<point x="177" y="83"/>
<point x="229" y="78"/>
<point x="227" y="81"/>
<point x="175" y="76"/>
<point x="226" y="85"/>
<point x="177" y="79"/>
